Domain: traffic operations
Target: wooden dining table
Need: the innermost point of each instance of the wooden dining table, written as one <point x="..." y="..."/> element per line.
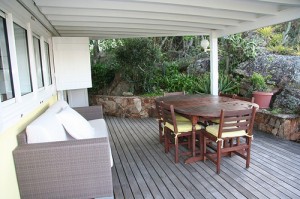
<point x="203" y="107"/>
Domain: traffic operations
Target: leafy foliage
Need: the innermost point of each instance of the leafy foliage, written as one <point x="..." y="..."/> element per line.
<point x="102" y="75"/>
<point x="282" y="38"/>
<point x="137" y="59"/>
<point x="236" y="49"/>
<point x="227" y="84"/>
<point x="170" y="79"/>
<point x="259" y="82"/>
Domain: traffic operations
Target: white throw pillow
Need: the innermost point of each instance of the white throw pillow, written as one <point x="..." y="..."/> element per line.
<point x="46" y="128"/>
<point x="57" y="107"/>
<point x="76" y="125"/>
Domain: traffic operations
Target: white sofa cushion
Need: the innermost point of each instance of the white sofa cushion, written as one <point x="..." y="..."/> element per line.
<point x="57" y="107"/>
<point x="76" y="125"/>
<point x="46" y="128"/>
<point x="101" y="130"/>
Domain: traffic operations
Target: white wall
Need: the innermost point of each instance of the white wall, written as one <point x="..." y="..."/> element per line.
<point x="16" y="113"/>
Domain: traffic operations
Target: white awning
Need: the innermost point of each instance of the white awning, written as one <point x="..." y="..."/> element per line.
<point x="151" y="18"/>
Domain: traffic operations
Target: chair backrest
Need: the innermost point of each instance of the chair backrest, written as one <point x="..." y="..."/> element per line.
<point x="159" y="109"/>
<point x="244" y="98"/>
<point x="232" y="121"/>
<point x="175" y="93"/>
<point x="168" y="115"/>
<point x="226" y="95"/>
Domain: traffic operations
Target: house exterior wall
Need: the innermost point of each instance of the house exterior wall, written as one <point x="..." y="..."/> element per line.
<point x="17" y="112"/>
<point x="8" y="181"/>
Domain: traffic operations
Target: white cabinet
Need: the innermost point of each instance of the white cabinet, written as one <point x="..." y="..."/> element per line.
<point x="72" y="63"/>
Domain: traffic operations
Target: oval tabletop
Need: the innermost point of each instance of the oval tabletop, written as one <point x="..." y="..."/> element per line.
<point x="205" y="105"/>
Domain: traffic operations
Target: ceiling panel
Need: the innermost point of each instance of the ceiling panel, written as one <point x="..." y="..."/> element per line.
<point x="147" y="18"/>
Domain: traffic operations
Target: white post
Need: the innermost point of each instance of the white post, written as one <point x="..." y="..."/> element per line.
<point x="214" y="71"/>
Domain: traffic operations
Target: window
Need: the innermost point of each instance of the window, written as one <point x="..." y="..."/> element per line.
<point x="48" y="68"/>
<point x="38" y="62"/>
<point x="6" y="83"/>
<point x="23" y="59"/>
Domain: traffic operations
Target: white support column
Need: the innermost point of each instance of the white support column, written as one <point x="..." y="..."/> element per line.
<point x="214" y="71"/>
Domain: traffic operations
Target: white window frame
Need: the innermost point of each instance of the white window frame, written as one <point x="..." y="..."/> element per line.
<point x="41" y="57"/>
<point x="12" y="110"/>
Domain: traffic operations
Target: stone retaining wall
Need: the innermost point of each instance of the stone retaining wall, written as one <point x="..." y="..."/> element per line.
<point x="123" y="106"/>
<point x="281" y="125"/>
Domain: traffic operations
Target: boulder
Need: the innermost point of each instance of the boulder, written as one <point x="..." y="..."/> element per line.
<point x="199" y="67"/>
<point x="288" y="100"/>
<point x="118" y="86"/>
<point x="285" y="70"/>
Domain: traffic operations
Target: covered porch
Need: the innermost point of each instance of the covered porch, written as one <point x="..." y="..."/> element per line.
<point x="143" y="170"/>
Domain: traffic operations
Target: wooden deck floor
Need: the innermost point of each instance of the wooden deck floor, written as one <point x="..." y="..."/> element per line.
<point x="142" y="169"/>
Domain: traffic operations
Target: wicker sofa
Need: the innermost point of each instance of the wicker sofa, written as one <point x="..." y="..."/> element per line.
<point x="70" y="169"/>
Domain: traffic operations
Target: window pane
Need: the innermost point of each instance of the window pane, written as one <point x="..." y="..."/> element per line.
<point x="48" y="64"/>
<point x="22" y="59"/>
<point x="6" y="84"/>
<point x="38" y="62"/>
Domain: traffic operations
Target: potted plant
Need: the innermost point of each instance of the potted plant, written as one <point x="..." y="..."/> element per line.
<point x="262" y="92"/>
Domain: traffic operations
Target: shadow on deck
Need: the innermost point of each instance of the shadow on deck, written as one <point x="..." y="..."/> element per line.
<point x="142" y="169"/>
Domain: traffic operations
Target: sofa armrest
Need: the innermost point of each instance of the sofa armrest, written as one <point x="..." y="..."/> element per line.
<point x="67" y="169"/>
<point x="90" y="112"/>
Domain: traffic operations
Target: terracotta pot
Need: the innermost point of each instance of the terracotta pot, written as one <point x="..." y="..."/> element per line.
<point x="262" y="99"/>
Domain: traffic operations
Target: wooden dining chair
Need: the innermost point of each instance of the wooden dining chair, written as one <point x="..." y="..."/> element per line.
<point x="217" y="120"/>
<point x="174" y="130"/>
<point x="233" y="124"/>
<point x="244" y="98"/>
<point x="226" y="95"/>
<point x="160" y="120"/>
<point x="174" y="93"/>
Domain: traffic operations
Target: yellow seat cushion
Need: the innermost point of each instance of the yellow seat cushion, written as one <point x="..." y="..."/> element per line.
<point x="181" y="118"/>
<point x="183" y="126"/>
<point x="216" y="121"/>
<point x="214" y="130"/>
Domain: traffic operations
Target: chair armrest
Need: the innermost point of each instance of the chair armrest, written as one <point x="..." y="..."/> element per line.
<point x="90" y="112"/>
<point x="67" y="169"/>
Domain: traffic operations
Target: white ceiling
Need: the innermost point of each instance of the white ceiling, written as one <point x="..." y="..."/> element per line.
<point x="145" y="18"/>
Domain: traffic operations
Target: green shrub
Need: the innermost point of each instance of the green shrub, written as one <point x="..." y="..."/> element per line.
<point x="282" y="50"/>
<point x="102" y="75"/>
<point x="137" y="58"/>
<point x="276" y="40"/>
<point x="236" y="49"/>
<point x="266" y="32"/>
<point x="228" y="84"/>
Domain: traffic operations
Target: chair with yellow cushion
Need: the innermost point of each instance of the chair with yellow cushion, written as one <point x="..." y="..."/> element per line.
<point x="244" y="98"/>
<point x="159" y="115"/>
<point x="175" y="129"/>
<point x="174" y="93"/>
<point x="233" y="124"/>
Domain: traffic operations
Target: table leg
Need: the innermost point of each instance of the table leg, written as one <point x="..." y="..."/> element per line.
<point x="194" y="158"/>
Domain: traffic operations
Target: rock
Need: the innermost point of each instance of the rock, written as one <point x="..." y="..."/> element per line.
<point x="286" y="126"/>
<point x="126" y="106"/>
<point x="127" y="94"/>
<point x="285" y="70"/>
<point x="200" y="66"/>
<point x="288" y="100"/>
<point x="137" y="104"/>
<point x="118" y="86"/>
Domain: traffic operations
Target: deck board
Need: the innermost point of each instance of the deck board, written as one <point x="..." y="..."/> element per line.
<point x="142" y="169"/>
